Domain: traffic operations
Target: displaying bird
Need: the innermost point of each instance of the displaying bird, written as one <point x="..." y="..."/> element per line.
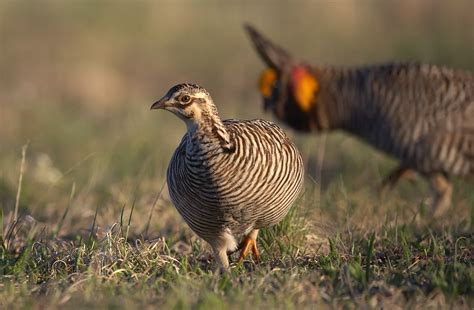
<point x="229" y="178"/>
<point x="423" y="115"/>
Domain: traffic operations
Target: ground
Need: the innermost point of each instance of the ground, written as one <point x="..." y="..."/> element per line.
<point x="95" y="225"/>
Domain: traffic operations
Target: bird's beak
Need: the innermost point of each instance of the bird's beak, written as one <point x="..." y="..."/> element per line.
<point x="160" y="104"/>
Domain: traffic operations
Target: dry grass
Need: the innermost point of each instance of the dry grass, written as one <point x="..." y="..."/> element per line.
<point x="94" y="228"/>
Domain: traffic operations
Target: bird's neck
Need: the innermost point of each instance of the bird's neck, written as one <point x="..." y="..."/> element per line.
<point x="210" y="131"/>
<point x="340" y="98"/>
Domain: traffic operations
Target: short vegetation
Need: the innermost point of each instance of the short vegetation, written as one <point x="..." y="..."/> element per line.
<point x="85" y="215"/>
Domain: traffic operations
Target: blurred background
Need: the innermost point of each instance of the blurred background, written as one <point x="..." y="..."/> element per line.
<point x="77" y="79"/>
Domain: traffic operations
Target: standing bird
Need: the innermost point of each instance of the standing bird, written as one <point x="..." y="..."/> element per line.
<point x="229" y="178"/>
<point x="423" y="115"/>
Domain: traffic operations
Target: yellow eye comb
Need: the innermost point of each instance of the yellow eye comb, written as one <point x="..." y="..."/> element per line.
<point x="265" y="84"/>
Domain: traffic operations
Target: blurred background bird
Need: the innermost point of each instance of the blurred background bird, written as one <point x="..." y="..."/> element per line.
<point x="422" y="115"/>
<point x="229" y="178"/>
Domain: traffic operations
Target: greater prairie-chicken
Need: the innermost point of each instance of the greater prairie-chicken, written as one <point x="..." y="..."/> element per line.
<point x="229" y="178"/>
<point x="423" y="115"/>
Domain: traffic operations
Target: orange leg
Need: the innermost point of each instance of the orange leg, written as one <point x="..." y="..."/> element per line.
<point x="392" y="179"/>
<point x="249" y="244"/>
<point x="442" y="192"/>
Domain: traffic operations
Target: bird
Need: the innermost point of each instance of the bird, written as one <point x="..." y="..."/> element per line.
<point x="229" y="178"/>
<point x="420" y="114"/>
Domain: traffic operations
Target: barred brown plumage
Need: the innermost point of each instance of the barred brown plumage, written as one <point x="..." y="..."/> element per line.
<point x="229" y="178"/>
<point x="421" y="114"/>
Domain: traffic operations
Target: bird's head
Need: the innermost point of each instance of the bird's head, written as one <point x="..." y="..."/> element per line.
<point x="194" y="105"/>
<point x="287" y="86"/>
<point x="190" y="102"/>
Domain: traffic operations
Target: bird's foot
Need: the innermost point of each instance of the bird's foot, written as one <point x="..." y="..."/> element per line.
<point x="249" y="245"/>
<point x="392" y="179"/>
<point x="442" y="193"/>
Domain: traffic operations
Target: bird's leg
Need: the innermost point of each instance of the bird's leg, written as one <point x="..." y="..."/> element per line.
<point x="392" y="179"/>
<point x="256" y="253"/>
<point x="249" y="244"/>
<point x="220" y="245"/>
<point x="238" y="248"/>
<point x="221" y="258"/>
<point x="442" y="192"/>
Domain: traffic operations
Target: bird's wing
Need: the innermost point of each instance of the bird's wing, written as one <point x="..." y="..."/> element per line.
<point x="449" y="149"/>
<point x="468" y="146"/>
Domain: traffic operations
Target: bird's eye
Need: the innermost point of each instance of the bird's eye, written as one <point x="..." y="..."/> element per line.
<point x="185" y="99"/>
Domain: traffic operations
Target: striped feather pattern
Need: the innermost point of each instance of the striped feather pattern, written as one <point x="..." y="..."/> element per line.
<point x="423" y="115"/>
<point x="250" y="188"/>
<point x="420" y="114"/>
